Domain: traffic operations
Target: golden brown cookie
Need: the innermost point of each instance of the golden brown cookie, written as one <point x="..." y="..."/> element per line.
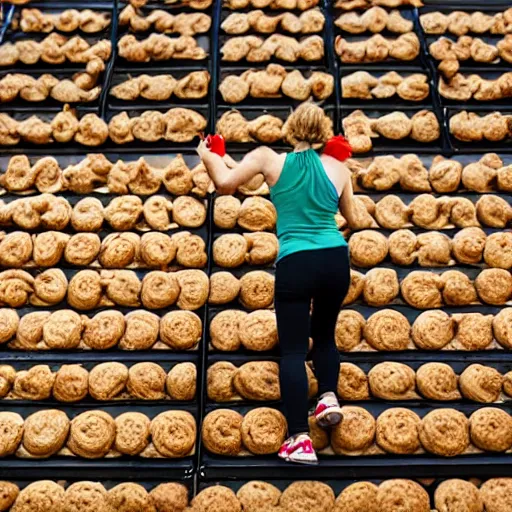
<point x="49" y="248"/>
<point x="174" y="433"/>
<point x="8" y="494"/>
<point x="306" y="495"/>
<point x="433" y="330"/>
<point x="9" y="322"/>
<point x="159" y="290"/>
<point x="92" y="434"/>
<point x="45" y="432"/>
<point x="7" y="377"/>
<point x="258" y="330"/>
<point x="181" y="381"/>
<point x="445" y="432"/>
<point x="392" y="381"/>
<point x="490" y="429"/>
<point x="368" y="248"/>
<point x="408" y="494"/>
<point x="257" y="214"/>
<point x="453" y="495"/>
<point x="50" y="288"/>
<point x="85" y="290"/>
<point x="189" y="212"/>
<point x="157" y="250"/>
<point x="87" y="215"/>
<point x="380" y="286"/>
<point x="497" y="494"/>
<point x="216" y="499"/>
<point x="356" y="287"/>
<point x="85" y="497"/>
<point x="352" y="383"/>
<point x="257" y="289"/>
<point x="123" y="287"/>
<point x="319" y="437"/>
<point x="481" y="383"/>
<point x="398" y="431"/>
<point x="107" y="380"/>
<point x="255" y="495"/>
<point x="474" y="330"/>
<point x="47" y="495"/>
<point x="225" y="330"/>
<point x="181" y="330"/>
<point x="458" y="290"/>
<point x="194" y="289"/>
<point x="146" y="381"/>
<point x="222" y="432"/>
<point x="220" y="385"/>
<point x="349" y="330"/>
<point x="494" y="286"/>
<point x="264" y="430"/>
<point x="258" y="380"/>
<point x="262" y="248"/>
<point x="35" y="383"/>
<point x="63" y="329"/>
<point x="141" y="330"/>
<point x="434" y="249"/>
<point x="169" y="497"/>
<point x="119" y="250"/>
<point x="129" y="497"/>
<point x="229" y="250"/>
<point x="355" y="433"/>
<point x="224" y="288"/>
<point x="11" y="425"/>
<point x="132" y="433"/>
<point x="502" y="327"/>
<point x="82" y="249"/>
<point x="387" y="330"/>
<point x="225" y="211"/>
<point x="402" y="247"/>
<point x="30" y="330"/>
<point x="357" y="497"/>
<point x="498" y="250"/>
<point x="437" y="381"/>
<point x="104" y="330"/>
<point x="468" y="245"/>
<point x="122" y="213"/>
<point x="507" y="383"/>
<point x="422" y="290"/>
<point x="71" y="383"/>
<point x="191" y="250"/>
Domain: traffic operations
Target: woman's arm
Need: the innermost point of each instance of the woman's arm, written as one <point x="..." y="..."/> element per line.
<point x="228" y="179"/>
<point x="347" y="206"/>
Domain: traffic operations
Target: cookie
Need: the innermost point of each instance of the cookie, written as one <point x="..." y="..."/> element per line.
<point x="174" y="433"/>
<point x="422" y="290"/>
<point x="306" y="496"/>
<point x="445" y="432"/>
<point x="398" y="431"/>
<point x="45" y="432"/>
<point x="48" y="495"/>
<point x="85" y="290"/>
<point x="498" y="250"/>
<point x="104" y="330"/>
<point x="392" y="381"/>
<point x="188" y="212"/>
<point x="141" y="331"/>
<point x="107" y="380"/>
<point x="224" y="288"/>
<point x="159" y="289"/>
<point x="181" y="330"/>
<point x="490" y="429"/>
<point x="352" y="383"/>
<point x="357" y="497"/>
<point x="454" y="495"/>
<point x="367" y="248"/>
<point x="437" y="381"/>
<point x="132" y="433"/>
<point x="481" y="383"/>
<point x="257" y="214"/>
<point x="11" y="426"/>
<point x="319" y="437"/>
<point x="191" y="250"/>
<point x="222" y="432"/>
<point x="357" y="280"/>
<point x="387" y="330"/>
<point x="474" y="330"/>
<point x="380" y="286"/>
<point x="216" y="499"/>
<point x="82" y="249"/>
<point x="349" y="330"/>
<point x="169" y="497"/>
<point x="410" y="495"/>
<point x="157" y="250"/>
<point x="258" y="331"/>
<point x="9" y="321"/>
<point x="225" y="211"/>
<point x="355" y="433"/>
<point x="225" y="329"/>
<point x="92" y="434"/>
<point x="194" y="289"/>
<point x="255" y="495"/>
<point x="433" y="330"/>
<point x="220" y="385"/>
<point x="258" y="381"/>
<point x="63" y="330"/>
<point x="181" y="381"/>
<point x="229" y="250"/>
<point x="263" y="430"/>
<point x="129" y="497"/>
<point x="146" y="381"/>
<point x="507" y="383"/>
<point x="8" y="494"/>
<point x="35" y="383"/>
<point x="29" y="335"/>
<point x="85" y="497"/>
<point x="496" y="494"/>
<point x="262" y="248"/>
<point x="502" y="327"/>
<point x="120" y="250"/>
<point x="494" y="286"/>
<point x="257" y="289"/>
<point x="7" y="377"/>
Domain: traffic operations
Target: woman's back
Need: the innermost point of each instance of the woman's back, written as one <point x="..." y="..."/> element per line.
<point x="306" y="201"/>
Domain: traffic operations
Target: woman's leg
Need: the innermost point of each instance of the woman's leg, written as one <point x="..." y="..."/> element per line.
<point x="292" y="302"/>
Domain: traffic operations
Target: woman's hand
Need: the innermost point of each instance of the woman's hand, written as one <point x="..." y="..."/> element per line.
<point x="202" y="149"/>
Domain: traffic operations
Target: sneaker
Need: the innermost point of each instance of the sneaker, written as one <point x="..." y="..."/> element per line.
<point x="328" y="411"/>
<point x="298" y="449"/>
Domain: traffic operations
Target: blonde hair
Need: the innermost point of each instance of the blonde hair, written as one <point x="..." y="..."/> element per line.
<point x="308" y="123"/>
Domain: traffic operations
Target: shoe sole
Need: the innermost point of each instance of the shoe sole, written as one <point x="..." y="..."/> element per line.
<point x="330" y="417"/>
<point x="304" y="462"/>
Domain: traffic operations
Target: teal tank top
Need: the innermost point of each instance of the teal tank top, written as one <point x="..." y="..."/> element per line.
<point x="306" y="201"/>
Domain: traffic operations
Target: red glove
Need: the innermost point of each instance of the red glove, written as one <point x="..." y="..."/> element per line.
<point x="338" y="147"/>
<point x="216" y="144"/>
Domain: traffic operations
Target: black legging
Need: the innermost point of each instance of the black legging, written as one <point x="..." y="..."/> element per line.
<point x="321" y="276"/>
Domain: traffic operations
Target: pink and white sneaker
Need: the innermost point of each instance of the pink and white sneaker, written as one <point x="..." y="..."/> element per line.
<point x="328" y="411"/>
<point x="298" y="449"/>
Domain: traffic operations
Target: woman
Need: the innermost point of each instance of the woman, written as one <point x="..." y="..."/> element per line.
<point x="313" y="263"/>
